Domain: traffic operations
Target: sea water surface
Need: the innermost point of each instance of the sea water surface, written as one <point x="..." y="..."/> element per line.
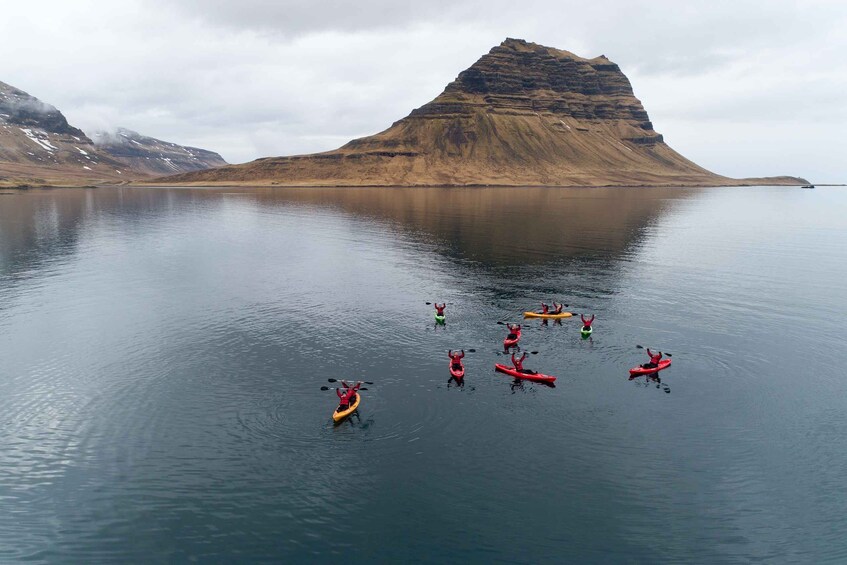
<point x="162" y="353"/>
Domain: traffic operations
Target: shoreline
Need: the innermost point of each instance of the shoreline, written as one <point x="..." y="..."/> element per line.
<point x="741" y="183"/>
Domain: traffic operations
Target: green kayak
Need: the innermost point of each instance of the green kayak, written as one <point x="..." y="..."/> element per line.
<point x="440" y="319"/>
<point x="586" y="333"/>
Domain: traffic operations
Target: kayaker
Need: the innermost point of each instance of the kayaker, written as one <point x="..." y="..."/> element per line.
<point x="457" y="358"/>
<point x="439" y="310"/>
<point x="513" y="331"/>
<point x="348" y="395"/>
<point x="557" y="308"/>
<point x="654" y="359"/>
<point x="544" y="308"/>
<point x="586" y="324"/>
<point x="518" y="363"/>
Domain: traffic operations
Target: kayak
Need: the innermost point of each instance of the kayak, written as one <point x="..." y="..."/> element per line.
<point x="507" y="343"/>
<point x="538" y="377"/>
<point x="547" y="316"/>
<point x="440" y="319"/>
<point x="459" y="373"/>
<point x="339" y="414"/>
<point x="586" y="333"/>
<point x="663" y="364"/>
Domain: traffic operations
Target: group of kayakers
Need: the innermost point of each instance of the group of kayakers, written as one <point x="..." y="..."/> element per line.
<point x="348" y="393"/>
<point x="514" y="336"/>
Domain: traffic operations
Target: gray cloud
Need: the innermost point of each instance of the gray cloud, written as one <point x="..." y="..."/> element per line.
<point x="254" y="78"/>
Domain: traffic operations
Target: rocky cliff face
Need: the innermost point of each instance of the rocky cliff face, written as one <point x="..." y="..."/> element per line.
<point x="153" y="156"/>
<point x="523" y="114"/>
<point x="38" y="146"/>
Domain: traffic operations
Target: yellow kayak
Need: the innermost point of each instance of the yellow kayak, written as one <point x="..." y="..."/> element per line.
<point x="339" y="415"/>
<point x="548" y="316"/>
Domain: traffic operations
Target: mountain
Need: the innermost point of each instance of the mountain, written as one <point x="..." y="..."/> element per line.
<point x="39" y="147"/>
<point x="523" y="114"/>
<point x="153" y="156"/>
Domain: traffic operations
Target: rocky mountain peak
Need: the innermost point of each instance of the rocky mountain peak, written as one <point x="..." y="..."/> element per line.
<point x="520" y="77"/>
<point x="21" y="109"/>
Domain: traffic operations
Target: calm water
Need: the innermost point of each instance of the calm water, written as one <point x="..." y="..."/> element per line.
<point x="162" y="353"/>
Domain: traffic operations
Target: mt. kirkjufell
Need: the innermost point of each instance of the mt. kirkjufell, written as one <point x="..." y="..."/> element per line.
<point x="523" y="114"/>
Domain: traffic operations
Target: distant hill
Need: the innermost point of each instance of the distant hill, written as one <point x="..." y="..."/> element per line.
<point x="523" y="114"/>
<point x="39" y="147"/>
<point x="153" y="156"/>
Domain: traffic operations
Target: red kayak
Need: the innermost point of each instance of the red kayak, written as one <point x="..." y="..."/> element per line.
<point x="530" y="376"/>
<point x="457" y="371"/>
<point x="512" y="339"/>
<point x="663" y="364"/>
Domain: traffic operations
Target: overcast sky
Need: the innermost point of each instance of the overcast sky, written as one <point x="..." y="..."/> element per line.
<point x="744" y="88"/>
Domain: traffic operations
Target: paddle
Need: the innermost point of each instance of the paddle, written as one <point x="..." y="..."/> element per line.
<point x="663" y="352"/>
<point x="336" y="380"/>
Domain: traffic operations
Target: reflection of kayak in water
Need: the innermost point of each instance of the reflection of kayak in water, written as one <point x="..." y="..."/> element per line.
<point x="640" y="370"/>
<point x="440" y="319"/>
<point x="547" y="316"/>
<point x="340" y="414"/>
<point x="457" y="371"/>
<point x="524" y="374"/>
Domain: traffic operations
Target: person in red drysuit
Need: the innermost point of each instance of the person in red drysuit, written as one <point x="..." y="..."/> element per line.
<point x="544" y="308"/>
<point x="654" y="359"/>
<point x="440" y="309"/>
<point x="456" y="358"/>
<point x="348" y="395"/>
<point x="586" y="324"/>
<point x="557" y="308"/>
<point x="518" y="363"/>
<point x="513" y="331"/>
